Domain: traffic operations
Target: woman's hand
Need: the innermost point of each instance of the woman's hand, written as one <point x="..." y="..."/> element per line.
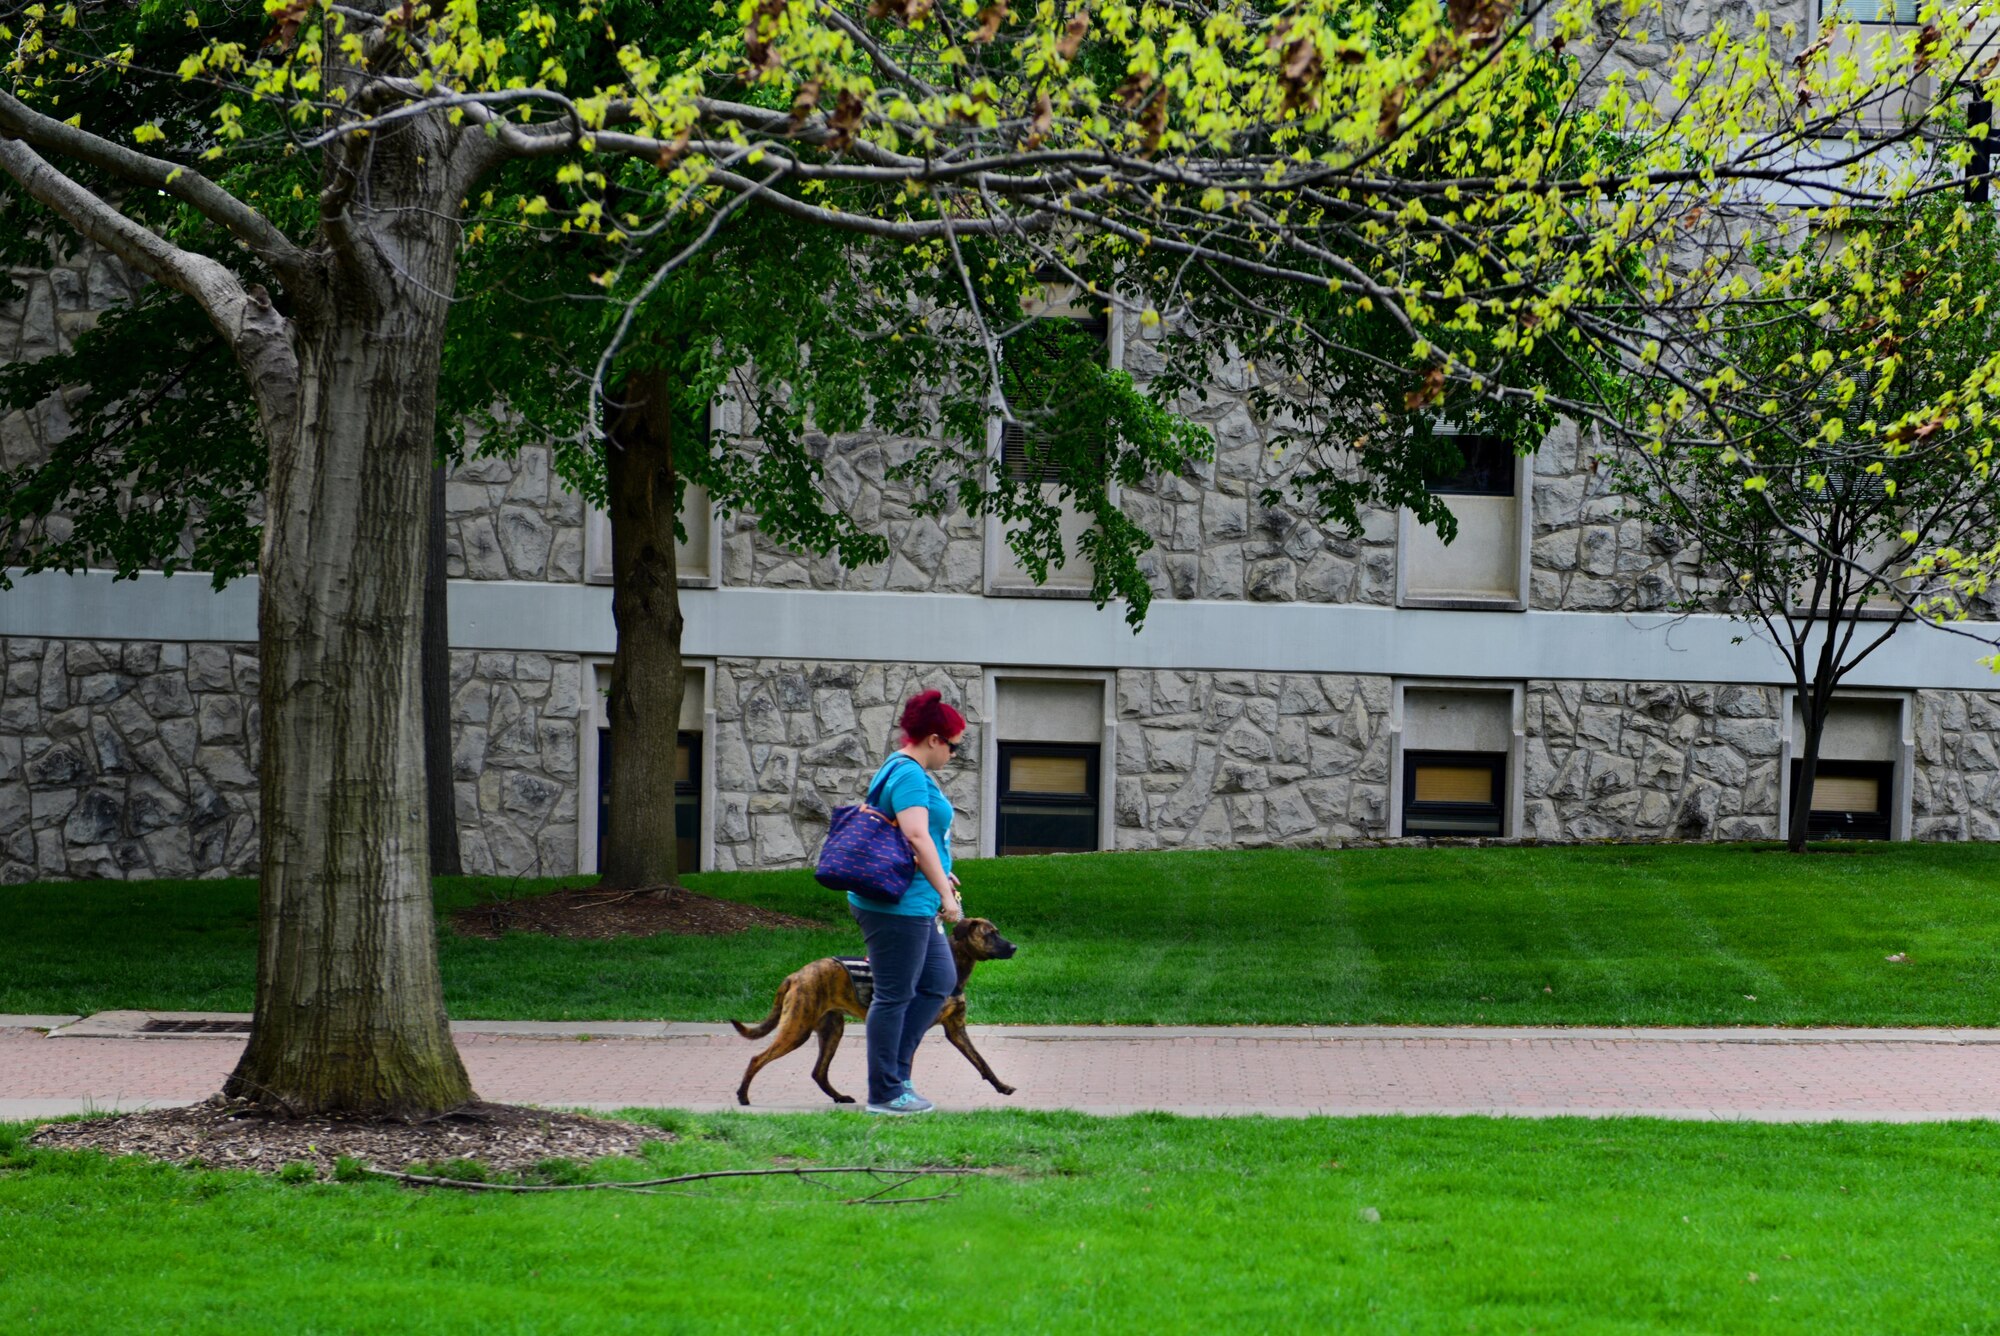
<point x="952" y="908"/>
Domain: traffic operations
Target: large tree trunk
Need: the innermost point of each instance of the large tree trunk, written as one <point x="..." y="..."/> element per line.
<point x="350" y="1009"/>
<point x="647" y="679"/>
<point x="440" y="803"/>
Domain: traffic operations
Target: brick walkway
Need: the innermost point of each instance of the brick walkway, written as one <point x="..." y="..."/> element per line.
<point x="1775" y="1075"/>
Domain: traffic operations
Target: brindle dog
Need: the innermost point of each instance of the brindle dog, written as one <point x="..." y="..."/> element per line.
<point x="818" y="998"/>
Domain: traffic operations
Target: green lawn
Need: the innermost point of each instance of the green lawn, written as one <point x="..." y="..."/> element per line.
<point x="1666" y="935"/>
<point x="1134" y="1224"/>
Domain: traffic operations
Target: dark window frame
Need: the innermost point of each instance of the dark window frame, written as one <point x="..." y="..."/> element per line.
<point x="1005" y="796"/>
<point x="1490" y="468"/>
<point x="687" y="854"/>
<point x="1496" y="809"/>
<point x="1851" y="825"/>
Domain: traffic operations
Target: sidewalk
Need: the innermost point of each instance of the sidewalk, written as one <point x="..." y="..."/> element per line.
<point x="56" y="1065"/>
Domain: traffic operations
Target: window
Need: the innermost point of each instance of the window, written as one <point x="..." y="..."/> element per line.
<point x="697" y="558"/>
<point x="1862" y="745"/>
<point x="1898" y="98"/>
<point x="1486" y="468"/>
<point x="1454" y="793"/>
<point x="1850" y="799"/>
<point x="1048" y="798"/>
<point x="1043" y="368"/>
<point x="1040" y="365"/>
<point x="1485" y="563"/>
<point x="687" y="798"/>
<point x="1869" y="11"/>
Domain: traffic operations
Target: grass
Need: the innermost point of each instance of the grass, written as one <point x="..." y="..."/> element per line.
<point x="1134" y="1224"/>
<point x="1659" y="935"/>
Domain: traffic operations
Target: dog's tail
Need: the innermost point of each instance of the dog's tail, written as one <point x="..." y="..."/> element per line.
<point x="765" y="1026"/>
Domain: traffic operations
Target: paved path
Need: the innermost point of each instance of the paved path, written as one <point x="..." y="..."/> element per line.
<point x="1770" y="1075"/>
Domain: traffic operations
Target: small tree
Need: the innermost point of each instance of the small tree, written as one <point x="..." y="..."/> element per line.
<point x="1836" y="469"/>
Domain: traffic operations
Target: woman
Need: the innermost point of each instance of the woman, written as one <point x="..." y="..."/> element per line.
<point x="907" y="949"/>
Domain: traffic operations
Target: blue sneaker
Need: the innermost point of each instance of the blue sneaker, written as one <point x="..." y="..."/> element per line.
<point x="907" y="1102"/>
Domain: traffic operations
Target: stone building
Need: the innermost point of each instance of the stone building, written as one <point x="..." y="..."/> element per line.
<point x="1292" y="686"/>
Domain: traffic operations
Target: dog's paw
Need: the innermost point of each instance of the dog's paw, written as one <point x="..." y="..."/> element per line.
<point x="742" y="1098"/>
<point x="1005" y="1090"/>
<point x="843" y="1099"/>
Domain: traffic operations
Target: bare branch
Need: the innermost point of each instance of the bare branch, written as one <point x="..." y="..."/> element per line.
<point x="292" y="265"/>
<point x="688" y="252"/>
<point x="246" y="319"/>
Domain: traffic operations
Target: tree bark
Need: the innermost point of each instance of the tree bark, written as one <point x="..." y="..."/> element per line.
<point x="350" y="1008"/>
<point x="1814" y="710"/>
<point x="440" y="804"/>
<point x="647" y="678"/>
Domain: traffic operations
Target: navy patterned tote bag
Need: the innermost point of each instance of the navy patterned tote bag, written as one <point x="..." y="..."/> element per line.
<point x="865" y="851"/>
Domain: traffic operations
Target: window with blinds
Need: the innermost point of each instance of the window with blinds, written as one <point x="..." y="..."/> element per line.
<point x="1049" y="800"/>
<point x="1850" y="799"/>
<point x="687" y="798"/>
<point x="1039" y="369"/>
<point x="1454" y="793"/>
<point x="1869" y="11"/>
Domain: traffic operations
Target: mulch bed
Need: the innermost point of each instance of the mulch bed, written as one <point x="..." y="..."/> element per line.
<point x="592" y="914"/>
<point x="226" y="1134"/>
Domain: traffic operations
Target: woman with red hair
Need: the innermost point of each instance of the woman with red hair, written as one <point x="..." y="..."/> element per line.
<point x="907" y="949"/>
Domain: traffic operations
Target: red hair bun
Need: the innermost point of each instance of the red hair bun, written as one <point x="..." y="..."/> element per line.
<point x="925" y="714"/>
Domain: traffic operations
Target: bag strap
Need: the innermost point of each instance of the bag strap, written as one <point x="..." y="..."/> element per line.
<point x="883" y="778"/>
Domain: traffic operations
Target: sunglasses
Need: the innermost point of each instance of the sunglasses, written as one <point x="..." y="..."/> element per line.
<point x="953" y="746"/>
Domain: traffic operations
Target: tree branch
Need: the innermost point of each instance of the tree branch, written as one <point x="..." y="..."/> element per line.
<point x="256" y="333"/>
<point x="293" y="266"/>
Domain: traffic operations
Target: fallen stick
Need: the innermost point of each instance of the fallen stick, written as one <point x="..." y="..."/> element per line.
<point x="636" y="1184"/>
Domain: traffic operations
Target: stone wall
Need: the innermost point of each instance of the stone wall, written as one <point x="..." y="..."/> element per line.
<point x="795" y="740"/>
<point x="1650" y="761"/>
<point x="943" y="554"/>
<point x="1587" y="553"/>
<point x="52" y="306"/>
<point x="515" y="750"/>
<point x="1956" y="790"/>
<point x="1250" y="759"/>
<point x="139" y="759"/>
<point x="127" y="759"/>
<point x="512" y="519"/>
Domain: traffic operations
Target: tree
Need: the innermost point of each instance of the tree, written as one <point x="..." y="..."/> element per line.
<point x="1836" y="471"/>
<point x="832" y="341"/>
<point x="1406" y="169"/>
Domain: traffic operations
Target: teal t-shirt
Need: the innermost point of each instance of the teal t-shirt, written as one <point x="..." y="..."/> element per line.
<point x="910" y="785"/>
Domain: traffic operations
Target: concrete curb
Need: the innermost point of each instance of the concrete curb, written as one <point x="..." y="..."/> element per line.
<point x="32" y="1110"/>
<point x="130" y="1025"/>
<point x="37" y="1022"/>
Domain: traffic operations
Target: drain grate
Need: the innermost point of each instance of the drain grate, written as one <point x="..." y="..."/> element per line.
<point x="157" y="1026"/>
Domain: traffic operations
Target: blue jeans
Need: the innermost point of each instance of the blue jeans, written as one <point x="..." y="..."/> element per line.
<point x="914" y="975"/>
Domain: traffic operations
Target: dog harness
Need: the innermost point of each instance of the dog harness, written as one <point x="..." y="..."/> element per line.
<point x="862" y="975"/>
